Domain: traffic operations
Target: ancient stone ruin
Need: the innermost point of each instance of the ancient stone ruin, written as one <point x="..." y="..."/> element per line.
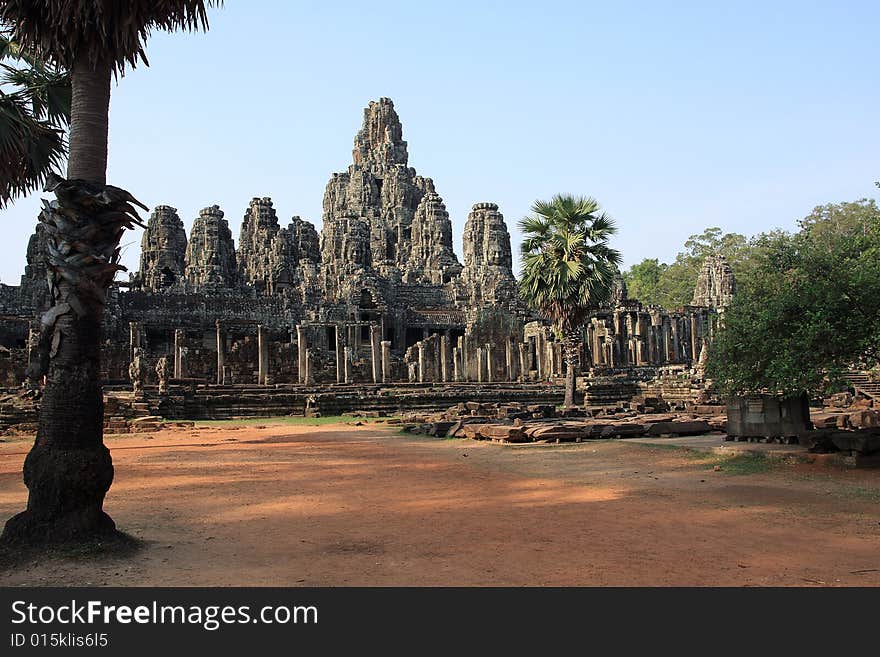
<point x="716" y="284"/>
<point x="378" y="297"/>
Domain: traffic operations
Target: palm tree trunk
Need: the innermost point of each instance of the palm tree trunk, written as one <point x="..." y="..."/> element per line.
<point x="571" y="353"/>
<point x="69" y="470"/>
<point x="89" y="121"/>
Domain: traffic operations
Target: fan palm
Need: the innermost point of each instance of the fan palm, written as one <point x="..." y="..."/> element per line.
<point x="34" y="112"/>
<point x="568" y="269"/>
<point x="69" y="470"/>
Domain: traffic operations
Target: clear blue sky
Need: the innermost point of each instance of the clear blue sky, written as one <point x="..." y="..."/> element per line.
<point x="675" y="116"/>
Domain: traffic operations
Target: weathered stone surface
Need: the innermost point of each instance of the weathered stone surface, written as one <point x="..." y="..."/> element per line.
<point x="506" y="432"/>
<point x="163" y="251"/>
<point x="488" y="260"/>
<point x="768" y="416"/>
<point x="679" y="428"/>
<point x="866" y="419"/>
<point x="432" y="259"/>
<point x="716" y="284"/>
<point x="380" y="140"/>
<point x="210" y="253"/>
<point x="34" y="284"/>
<point x="260" y="252"/>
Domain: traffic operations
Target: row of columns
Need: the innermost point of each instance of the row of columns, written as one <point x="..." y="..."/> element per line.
<point x="380" y="355"/>
<point x="633" y="338"/>
<point x="489" y="364"/>
<point x="450" y="364"/>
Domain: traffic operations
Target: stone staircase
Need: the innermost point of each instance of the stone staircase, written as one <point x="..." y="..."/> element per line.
<point x="862" y="384"/>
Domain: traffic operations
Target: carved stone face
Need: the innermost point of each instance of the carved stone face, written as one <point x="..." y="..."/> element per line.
<point x="497" y="244"/>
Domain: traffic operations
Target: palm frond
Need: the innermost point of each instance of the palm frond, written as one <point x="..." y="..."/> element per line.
<point x="29" y="149"/>
<point x="111" y="31"/>
<point x="568" y="267"/>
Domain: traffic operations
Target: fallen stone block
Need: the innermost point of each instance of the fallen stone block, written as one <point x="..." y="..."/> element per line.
<point x="822" y="421"/>
<point x="623" y="430"/>
<point x="866" y="419"/>
<point x="686" y="428"/>
<point x="506" y="432"/>
<point x="559" y="432"/>
<point x="441" y="429"/>
<point x="708" y="409"/>
<point x="471" y="431"/>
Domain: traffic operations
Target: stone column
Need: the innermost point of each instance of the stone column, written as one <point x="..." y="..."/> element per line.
<point x="456" y="363"/>
<point x="541" y="355"/>
<point x="32" y="342"/>
<point x="221" y="348"/>
<point x="375" y="352"/>
<point x="309" y="378"/>
<point x="301" y="354"/>
<point x="462" y="347"/>
<point x="508" y="360"/>
<point x="523" y="360"/>
<point x="340" y="355"/>
<point x="423" y="361"/>
<point x="386" y="361"/>
<point x="347" y="363"/>
<point x="479" y="364"/>
<point x="262" y="355"/>
<point x="184" y="370"/>
<point x="444" y="357"/>
<point x="134" y="338"/>
<point x="178" y="345"/>
<point x="490" y="362"/>
<point x="667" y="341"/>
<point x="695" y="348"/>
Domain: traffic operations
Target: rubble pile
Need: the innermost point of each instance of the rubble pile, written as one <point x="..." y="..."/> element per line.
<point x="540" y="423"/>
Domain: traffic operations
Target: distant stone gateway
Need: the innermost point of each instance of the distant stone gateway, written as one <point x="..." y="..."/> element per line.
<point x="378" y="296"/>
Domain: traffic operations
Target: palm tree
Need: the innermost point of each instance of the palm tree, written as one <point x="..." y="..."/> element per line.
<point x="568" y="269"/>
<point x="69" y="470"/>
<point x="34" y="112"/>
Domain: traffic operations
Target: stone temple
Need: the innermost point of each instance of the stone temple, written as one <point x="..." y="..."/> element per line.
<point x="377" y="296"/>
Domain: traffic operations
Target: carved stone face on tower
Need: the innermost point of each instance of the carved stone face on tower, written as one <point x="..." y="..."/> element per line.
<point x="210" y="254"/>
<point x="716" y="284"/>
<point x="356" y="243"/>
<point x="497" y="242"/>
<point x="163" y="250"/>
<point x="486" y="240"/>
<point x="379" y="143"/>
<point x="370" y="212"/>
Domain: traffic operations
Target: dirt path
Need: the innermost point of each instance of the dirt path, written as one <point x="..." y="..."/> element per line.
<point x="341" y="505"/>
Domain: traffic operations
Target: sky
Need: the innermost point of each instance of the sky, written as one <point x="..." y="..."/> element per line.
<point x="675" y="116"/>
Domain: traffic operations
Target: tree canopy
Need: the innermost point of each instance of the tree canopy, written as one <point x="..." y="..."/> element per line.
<point x="809" y="309"/>
<point x="111" y="32"/>
<point x="568" y="267"/>
<point x="34" y="113"/>
<point x="672" y="285"/>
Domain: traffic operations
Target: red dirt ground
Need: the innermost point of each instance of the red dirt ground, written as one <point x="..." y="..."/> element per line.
<point x="339" y="505"/>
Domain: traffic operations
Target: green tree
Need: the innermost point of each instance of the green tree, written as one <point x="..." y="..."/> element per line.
<point x="34" y="112"/>
<point x="69" y="470"/>
<point x="811" y="309"/>
<point x="643" y="280"/>
<point x="568" y="269"/>
<point x="672" y="285"/>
